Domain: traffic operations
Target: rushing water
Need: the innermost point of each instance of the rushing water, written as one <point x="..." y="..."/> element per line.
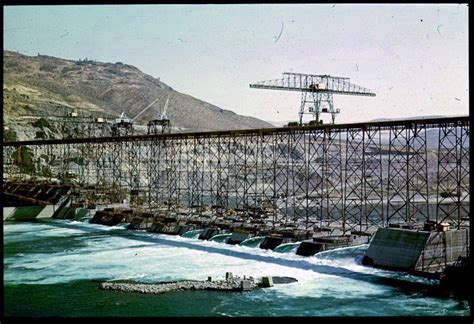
<point x="193" y="234"/>
<point x="53" y="268"/>
<point x="287" y="247"/>
<point x="221" y="238"/>
<point x="253" y="241"/>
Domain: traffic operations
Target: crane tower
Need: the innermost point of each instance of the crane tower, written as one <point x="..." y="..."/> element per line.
<point x="124" y="125"/>
<point x="161" y="120"/>
<point x="316" y="92"/>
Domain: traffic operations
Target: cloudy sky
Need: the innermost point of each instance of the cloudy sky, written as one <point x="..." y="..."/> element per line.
<point x="414" y="57"/>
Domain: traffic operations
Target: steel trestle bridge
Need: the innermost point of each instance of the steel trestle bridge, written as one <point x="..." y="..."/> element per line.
<point x="356" y="176"/>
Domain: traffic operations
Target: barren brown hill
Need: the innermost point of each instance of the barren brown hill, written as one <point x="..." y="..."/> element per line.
<point x="44" y="84"/>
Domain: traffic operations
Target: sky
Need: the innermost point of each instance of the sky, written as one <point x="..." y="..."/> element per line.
<point x="414" y="57"/>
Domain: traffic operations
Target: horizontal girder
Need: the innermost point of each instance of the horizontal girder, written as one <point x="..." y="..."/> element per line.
<point x="314" y="83"/>
<point x="262" y="131"/>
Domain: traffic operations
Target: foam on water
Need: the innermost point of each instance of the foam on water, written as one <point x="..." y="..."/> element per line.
<point x="221" y="238"/>
<point x="113" y="253"/>
<point x="193" y="234"/>
<point x="252" y="241"/>
<point x="287" y="248"/>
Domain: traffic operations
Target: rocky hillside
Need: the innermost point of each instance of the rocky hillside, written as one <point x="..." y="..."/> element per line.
<point x="44" y="84"/>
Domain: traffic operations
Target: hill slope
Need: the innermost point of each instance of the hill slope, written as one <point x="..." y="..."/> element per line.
<point x="43" y="84"/>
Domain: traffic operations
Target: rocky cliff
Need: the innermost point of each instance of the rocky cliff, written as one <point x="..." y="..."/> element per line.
<point x="47" y="85"/>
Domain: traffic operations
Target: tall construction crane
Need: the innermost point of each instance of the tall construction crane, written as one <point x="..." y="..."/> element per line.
<point x="125" y="123"/>
<point x="316" y="92"/>
<point x="161" y="120"/>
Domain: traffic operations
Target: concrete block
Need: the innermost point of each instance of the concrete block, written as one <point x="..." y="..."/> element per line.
<point x="396" y="248"/>
<point x="410" y="250"/>
<point x="309" y="248"/>
<point x="31" y="212"/>
<point x="245" y="285"/>
<point x="267" y="281"/>
<point x="269" y="243"/>
<point x="228" y="276"/>
<point x="237" y="238"/>
<point x="8" y="212"/>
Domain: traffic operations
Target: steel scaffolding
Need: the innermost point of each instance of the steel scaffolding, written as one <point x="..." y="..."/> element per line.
<point x="353" y="177"/>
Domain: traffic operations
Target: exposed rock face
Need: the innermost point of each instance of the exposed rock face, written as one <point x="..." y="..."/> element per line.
<point x="232" y="283"/>
<point x="220" y="285"/>
<point x="47" y="85"/>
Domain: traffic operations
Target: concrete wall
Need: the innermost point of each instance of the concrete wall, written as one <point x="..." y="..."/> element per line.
<point x="27" y="213"/>
<point x="442" y="249"/>
<point x="8" y="212"/>
<point x="397" y="248"/>
<point x="47" y="212"/>
<point x="411" y="250"/>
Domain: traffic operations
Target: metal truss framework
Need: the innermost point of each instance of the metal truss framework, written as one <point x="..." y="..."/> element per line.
<point x="353" y="177"/>
<point x="316" y="92"/>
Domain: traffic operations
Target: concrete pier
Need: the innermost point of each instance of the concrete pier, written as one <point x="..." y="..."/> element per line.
<point x="417" y="251"/>
<point x="30" y="201"/>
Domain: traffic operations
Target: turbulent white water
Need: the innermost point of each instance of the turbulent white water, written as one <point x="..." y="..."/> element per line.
<point x="60" y="252"/>
<point x="154" y="257"/>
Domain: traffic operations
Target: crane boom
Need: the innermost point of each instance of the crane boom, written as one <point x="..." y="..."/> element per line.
<point x="163" y="114"/>
<point x="145" y="109"/>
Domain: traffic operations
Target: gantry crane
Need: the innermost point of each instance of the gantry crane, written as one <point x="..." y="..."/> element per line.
<point x="125" y="123"/>
<point x="316" y="92"/>
<point x="161" y="120"/>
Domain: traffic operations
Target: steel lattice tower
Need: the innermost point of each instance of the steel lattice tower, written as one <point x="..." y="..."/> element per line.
<point x="316" y="92"/>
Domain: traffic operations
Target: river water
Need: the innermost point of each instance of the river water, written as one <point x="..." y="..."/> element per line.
<point x="53" y="268"/>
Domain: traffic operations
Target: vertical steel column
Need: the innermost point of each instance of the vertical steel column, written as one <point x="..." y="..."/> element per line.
<point x="172" y="176"/>
<point x="195" y="174"/>
<point x="100" y="159"/>
<point x="315" y="176"/>
<point x="131" y="171"/>
<point x="302" y="107"/>
<point x="222" y="170"/>
<point x="179" y="144"/>
<point x="417" y="175"/>
<point x="373" y="175"/>
<point x="116" y="173"/>
<point x="157" y="173"/>
<point x="397" y="190"/>
<point x="266" y="179"/>
<point x="354" y="182"/>
<point x="332" y="177"/>
<point x="463" y="169"/>
<point x="86" y="159"/>
<point x="448" y="189"/>
<point x="238" y="170"/>
<point x="280" y="174"/>
<point x="208" y="196"/>
<point x="162" y="176"/>
<point x="147" y="175"/>
<point x="211" y="170"/>
<point x="298" y="176"/>
<point x="251" y="169"/>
